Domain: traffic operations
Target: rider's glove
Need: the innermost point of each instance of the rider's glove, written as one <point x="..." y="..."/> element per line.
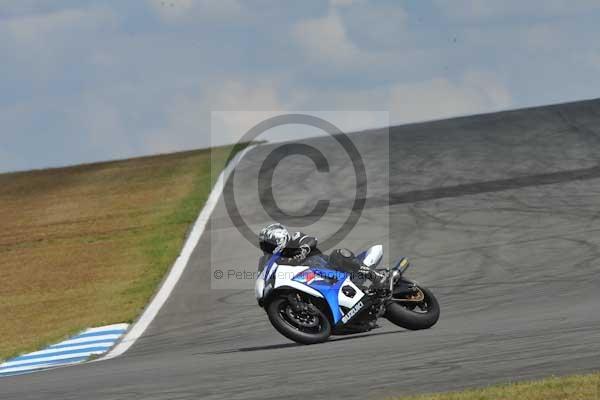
<point x="304" y="250"/>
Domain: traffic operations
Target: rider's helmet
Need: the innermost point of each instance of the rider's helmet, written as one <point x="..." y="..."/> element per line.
<point x="273" y="238"/>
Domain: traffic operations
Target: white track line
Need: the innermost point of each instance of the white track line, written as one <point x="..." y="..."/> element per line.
<point x="169" y="283"/>
<point x="83" y="340"/>
<point x="33" y="368"/>
<point x="51" y="350"/>
<point x="50" y="358"/>
<point x="106" y="328"/>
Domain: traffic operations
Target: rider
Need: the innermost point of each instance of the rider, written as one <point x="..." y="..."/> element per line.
<point x="297" y="247"/>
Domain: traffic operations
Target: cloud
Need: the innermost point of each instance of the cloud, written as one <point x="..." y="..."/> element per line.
<point x="205" y="10"/>
<point x="476" y="91"/>
<point x="355" y="36"/>
<point x="534" y="36"/>
<point x="488" y="9"/>
<point x="88" y="83"/>
<point x="233" y="94"/>
<point x="236" y="106"/>
<point x="36" y="28"/>
<point x="374" y="27"/>
<point x="440" y="98"/>
<point x="345" y="3"/>
<point x="325" y="41"/>
<point x="10" y="8"/>
<point x="188" y="117"/>
<point x="45" y="45"/>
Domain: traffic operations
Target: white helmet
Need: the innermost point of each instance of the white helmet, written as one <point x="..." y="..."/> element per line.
<point x="273" y="238"/>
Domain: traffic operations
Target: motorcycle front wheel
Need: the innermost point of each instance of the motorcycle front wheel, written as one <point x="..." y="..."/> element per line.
<point x="414" y="315"/>
<point x="305" y="326"/>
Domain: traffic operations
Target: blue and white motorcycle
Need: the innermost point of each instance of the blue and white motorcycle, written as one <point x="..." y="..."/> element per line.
<point x="308" y="303"/>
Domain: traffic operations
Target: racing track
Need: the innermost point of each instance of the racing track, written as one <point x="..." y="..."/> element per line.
<point x="500" y="216"/>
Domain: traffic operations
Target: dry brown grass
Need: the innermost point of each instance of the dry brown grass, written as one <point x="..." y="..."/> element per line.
<point x="87" y="245"/>
<point x="576" y="387"/>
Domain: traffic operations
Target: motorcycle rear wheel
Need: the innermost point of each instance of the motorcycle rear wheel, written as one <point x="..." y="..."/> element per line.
<point x="308" y="328"/>
<point x="415" y="316"/>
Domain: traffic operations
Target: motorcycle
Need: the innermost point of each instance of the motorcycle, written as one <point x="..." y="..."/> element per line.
<point x="310" y="302"/>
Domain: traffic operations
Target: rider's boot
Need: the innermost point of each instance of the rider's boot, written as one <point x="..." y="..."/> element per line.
<point x="374" y="280"/>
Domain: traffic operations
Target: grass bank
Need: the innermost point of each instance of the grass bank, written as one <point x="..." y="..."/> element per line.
<point x="87" y="245"/>
<point x="576" y="387"/>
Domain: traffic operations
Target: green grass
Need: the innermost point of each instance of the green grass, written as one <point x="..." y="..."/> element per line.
<point x="575" y="387"/>
<point x="87" y="245"/>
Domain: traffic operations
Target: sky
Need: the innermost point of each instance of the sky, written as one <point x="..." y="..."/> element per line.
<point x="84" y="81"/>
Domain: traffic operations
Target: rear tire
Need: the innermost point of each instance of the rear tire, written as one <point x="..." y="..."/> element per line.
<point x="278" y="312"/>
<point x="406" y="318"/>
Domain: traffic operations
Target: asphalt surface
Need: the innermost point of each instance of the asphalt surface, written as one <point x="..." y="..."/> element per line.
<point x="499" y="214"/>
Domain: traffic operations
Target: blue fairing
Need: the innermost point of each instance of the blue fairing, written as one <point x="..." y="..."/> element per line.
<point x="326" y="281"/>
<point x="330" y="292"/>
<point x="270" y="264"/>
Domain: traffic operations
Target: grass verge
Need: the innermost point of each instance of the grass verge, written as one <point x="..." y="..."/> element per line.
<point x="87" y="245"/>
<point x="575" y="387"/>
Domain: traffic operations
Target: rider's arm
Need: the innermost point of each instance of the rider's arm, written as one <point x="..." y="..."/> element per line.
<point x="300" y="246"/>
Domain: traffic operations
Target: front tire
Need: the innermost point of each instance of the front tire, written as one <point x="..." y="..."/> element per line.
<point x="308" y="328"/>
<point x="415" y="316"/>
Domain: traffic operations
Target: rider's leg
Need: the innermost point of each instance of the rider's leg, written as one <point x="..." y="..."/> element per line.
<point x="364" y="277"/>
<point x="375" y="279"/>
